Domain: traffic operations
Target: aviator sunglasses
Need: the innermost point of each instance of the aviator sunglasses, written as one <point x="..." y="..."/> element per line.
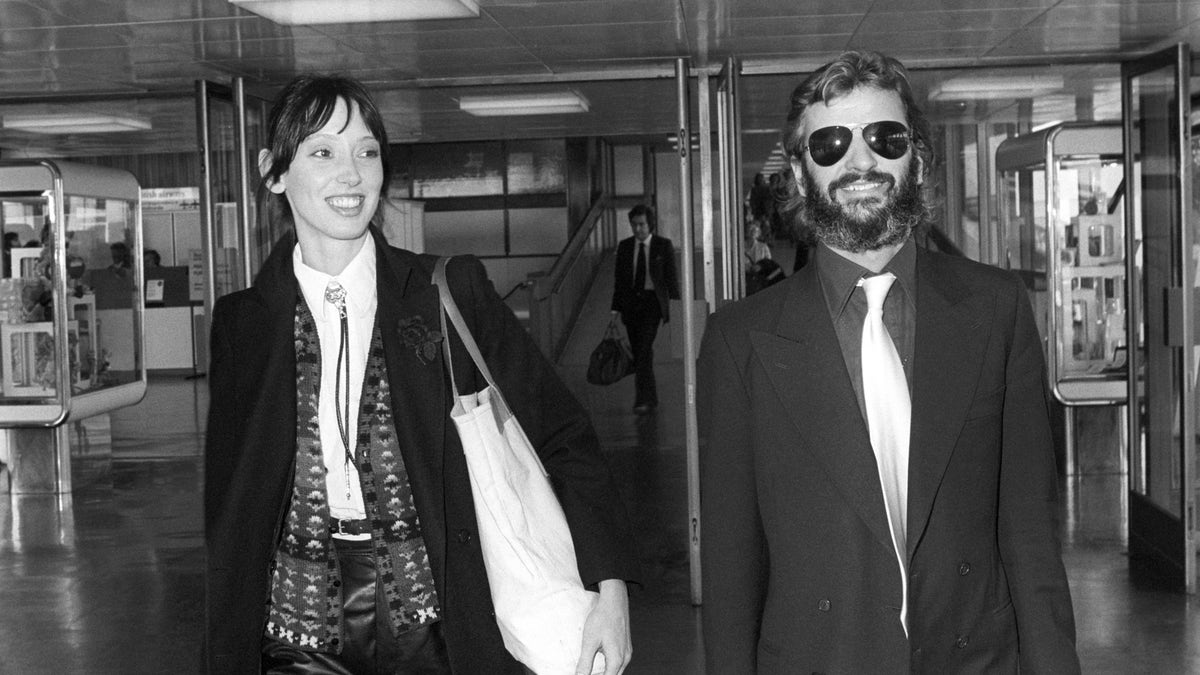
<point x="828" y="145"/>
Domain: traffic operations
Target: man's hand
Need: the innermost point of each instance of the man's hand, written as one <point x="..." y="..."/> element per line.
<point x="607" y="630"/>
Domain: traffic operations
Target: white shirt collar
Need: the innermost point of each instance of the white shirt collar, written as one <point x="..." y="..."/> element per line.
<point x="646" y="242"/>
<point x="358" y="279"/>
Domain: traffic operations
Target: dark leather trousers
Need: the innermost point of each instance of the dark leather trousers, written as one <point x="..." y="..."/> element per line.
<point x="369" y="647"/>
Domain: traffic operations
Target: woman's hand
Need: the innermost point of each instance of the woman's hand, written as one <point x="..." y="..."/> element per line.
<point x="607" y="630"/>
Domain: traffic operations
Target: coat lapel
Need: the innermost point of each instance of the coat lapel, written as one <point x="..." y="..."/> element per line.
<point x="952" y="332"/>
<point x="273" y="351"/>
<point x="419" y="403"/>
<point x="804" y="364"/>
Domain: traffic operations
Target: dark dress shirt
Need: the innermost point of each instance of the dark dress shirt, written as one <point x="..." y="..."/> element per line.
<point x="848" y="307"/>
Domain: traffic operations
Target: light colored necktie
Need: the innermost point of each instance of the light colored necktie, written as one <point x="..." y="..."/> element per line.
<point x="889" y="417"/>
<point x="335" y="295"/>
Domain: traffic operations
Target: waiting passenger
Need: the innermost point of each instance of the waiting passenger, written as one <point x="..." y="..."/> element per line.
<point x="760" y="270"/>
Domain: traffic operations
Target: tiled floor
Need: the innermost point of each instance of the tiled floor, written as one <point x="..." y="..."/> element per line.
<point x="108" y="580"/>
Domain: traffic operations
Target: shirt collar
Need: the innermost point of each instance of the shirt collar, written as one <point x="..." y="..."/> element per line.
<point x="839" y="276"/>
<point x="358" y="279"/>
<point x="646" y="242"/>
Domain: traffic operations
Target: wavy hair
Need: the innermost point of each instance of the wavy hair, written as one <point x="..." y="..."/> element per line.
<point x="849" y="71"/>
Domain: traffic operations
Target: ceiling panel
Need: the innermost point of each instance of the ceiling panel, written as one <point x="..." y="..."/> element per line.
<point x="751" y="9"/>
<point x="577" y="12"/>
<point x="989" y="20"/>
<point x="614" y="40"/>
<point x="160" y="10"/>
<point x="793" y="26"/>
<point x="959" y="5"/>
<point x="383" y="44"/>
<point x="935" y="40"/>
<point x="16" y="14"/>
<point x="51" y="49"/>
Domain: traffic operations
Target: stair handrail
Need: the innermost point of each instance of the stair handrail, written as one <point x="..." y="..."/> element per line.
<point x="570" y="253"/>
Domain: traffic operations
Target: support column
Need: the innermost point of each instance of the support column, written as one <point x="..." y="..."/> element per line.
<point x="56" y="460"/>
<point x="38" y="460"/>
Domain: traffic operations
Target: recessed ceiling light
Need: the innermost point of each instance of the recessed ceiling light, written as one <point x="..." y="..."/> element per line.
<point x="524" y="104"/>
<point x="1000" y="87"/>
<point x="310" y="12"/>
<point x="75" y="123"/>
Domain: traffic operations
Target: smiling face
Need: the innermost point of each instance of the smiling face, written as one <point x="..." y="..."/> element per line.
<point x="333" y="185"/>
<point x="863" y="201"/>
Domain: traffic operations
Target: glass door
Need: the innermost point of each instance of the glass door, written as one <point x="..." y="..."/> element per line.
<point x="222" y="191"/>
<point x="231" y="128"/>
<point x="729" y="140"/>
<point x="1162" y="291"/>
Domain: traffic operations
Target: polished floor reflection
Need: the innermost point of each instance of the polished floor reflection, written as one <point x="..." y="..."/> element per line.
<point x="108" y="580"/>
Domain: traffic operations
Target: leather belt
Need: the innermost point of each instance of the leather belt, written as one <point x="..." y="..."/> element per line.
<point x="344" y="526"/>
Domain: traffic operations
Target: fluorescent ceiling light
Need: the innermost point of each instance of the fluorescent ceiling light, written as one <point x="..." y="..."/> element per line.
<point x="75" y="123"/>
<point x="310" y="12"/>
<point x="524" y="104"/>
<point x="1000" y="87"/>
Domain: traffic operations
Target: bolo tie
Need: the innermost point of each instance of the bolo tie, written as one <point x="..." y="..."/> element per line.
<point x="336" y="295"/>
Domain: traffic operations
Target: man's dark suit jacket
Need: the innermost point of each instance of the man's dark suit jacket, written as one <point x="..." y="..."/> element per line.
<point x="251" y="448"/>
<point x="660" y="267"/>
<point x="799" y="570"/>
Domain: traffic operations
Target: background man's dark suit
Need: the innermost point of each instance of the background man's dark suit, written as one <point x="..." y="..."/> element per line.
<point x="642" y="311"/>
<point x="251" y="446"/>
<point x="791" y="497"/>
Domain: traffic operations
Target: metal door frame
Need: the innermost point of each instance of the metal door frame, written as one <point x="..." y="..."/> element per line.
<point x="1165" y="543"/>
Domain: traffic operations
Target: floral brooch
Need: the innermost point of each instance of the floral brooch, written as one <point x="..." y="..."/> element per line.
<point x="421" y="338"/>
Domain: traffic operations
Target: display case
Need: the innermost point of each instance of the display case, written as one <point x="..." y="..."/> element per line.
<point x="1063" y="231"/>
<point x="71" y="308"/>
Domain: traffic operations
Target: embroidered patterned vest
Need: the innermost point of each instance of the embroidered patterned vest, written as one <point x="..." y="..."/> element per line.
<point x="306" y="602"/>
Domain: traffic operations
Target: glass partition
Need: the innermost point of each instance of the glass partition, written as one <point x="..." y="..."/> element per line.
<point x="1063" y="231"/>
<point x="70" y="298"/>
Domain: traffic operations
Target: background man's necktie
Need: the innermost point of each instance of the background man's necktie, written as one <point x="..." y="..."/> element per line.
<point x="639" y="274"/>
<point x="336" y="296"/>
<point x="889" y="417"/>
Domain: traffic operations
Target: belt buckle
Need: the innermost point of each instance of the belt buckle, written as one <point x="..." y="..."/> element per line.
<point x="339" y="527"/>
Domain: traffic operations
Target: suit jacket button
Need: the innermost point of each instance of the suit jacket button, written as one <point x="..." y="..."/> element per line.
<point x="961" y="642"/>
<point x="964" y="569"/>
<point x="823" y="605"/>
<point x="463" y="536"/>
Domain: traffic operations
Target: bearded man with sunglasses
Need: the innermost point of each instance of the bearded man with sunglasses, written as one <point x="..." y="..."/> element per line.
<point x="878" y="481"/>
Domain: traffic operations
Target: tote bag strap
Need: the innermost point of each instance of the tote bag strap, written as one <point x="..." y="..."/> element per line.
<point x="460" y="325"/>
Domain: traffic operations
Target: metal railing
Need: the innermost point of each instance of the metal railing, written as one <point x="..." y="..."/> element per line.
<point x="557" y="296"/>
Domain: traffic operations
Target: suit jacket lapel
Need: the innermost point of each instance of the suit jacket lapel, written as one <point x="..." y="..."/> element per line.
<point x="804" y="364"/>
<point x="951" y="336"/>
<point x="419" y="403"/>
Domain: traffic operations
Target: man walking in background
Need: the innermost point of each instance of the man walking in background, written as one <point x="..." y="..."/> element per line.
<point x="644" y="284"/>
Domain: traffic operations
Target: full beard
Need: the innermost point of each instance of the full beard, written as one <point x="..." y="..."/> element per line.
<point x="865" y="225"/>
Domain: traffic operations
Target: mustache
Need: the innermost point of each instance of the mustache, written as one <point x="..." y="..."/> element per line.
<point x="873" y="176"/>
